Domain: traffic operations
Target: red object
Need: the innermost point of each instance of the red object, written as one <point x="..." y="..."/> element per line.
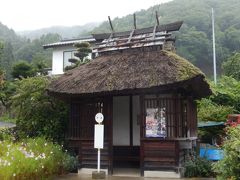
<point x="233" y="120"/>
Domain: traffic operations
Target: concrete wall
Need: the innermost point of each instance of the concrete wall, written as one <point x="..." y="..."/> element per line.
<point x="57" y="59"/>
<point x="121" y="121"/>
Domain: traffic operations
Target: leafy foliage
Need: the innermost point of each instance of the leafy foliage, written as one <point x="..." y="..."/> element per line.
<point x="7" y="90"/>
<point x="17" y="48"/>
<point x="227" y="93"/>
<point x="224" y="101"/>
<point x="83" y="50"/>
<point x="37" y="113"/>
<point x="22" y="69"/>
<point x="228" y="167"/>
<point x="231" y="67"/>
<point x="7" y="58"/>
<point x="33" y="159"/>
<point x="210" y="111"/>
<point x="198" y="167"/>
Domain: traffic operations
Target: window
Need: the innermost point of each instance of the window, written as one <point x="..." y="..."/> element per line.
<point x="66" y="56"/>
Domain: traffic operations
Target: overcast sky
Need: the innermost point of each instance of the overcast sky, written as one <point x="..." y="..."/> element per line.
<point x="34" y="14"/>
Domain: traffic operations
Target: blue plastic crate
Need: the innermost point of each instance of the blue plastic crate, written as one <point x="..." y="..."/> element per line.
<point x="211" y="154"/>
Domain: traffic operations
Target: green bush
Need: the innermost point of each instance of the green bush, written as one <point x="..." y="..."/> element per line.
<point x="198" y="167"/>
<point x="210" y="111"/>
<point x="227" y="93"/>
<point x="32" y="159"/>
<point x="229" y="166"/>
<point x="37" y="113"/>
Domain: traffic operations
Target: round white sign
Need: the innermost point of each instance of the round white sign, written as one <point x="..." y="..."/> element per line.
<point x="99" y="118"/>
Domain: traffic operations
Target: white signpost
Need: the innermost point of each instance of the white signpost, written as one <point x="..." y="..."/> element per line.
<point x="99" y="138"/>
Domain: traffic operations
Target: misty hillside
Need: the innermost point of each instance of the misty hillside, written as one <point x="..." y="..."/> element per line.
<point x="63" y="31"/>
<point x="194" y="41"/>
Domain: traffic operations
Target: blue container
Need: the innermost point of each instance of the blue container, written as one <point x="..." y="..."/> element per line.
<point x="211" y="154"/>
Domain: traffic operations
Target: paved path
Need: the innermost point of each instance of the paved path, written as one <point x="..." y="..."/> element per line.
<point x="6" y="125"/>
<point x="89" y="177"/>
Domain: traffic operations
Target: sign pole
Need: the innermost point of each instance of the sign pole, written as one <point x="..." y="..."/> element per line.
<point x="98" y="167"/>
<point x="99" y="144"/>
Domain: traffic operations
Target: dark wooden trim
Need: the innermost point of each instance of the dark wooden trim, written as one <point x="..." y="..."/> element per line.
<point x="131" y="120"/>
<point x="110" y="135"/>
<point x="142" y="120"/>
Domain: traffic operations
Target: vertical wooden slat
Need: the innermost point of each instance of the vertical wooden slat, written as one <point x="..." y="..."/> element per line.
<point x="131" y="120"/>
<point x="142" y="133"/>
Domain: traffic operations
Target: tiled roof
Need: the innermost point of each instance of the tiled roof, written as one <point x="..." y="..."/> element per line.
<point x="68" y="42"/>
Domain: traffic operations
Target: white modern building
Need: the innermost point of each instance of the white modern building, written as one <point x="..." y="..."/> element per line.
<point x="63" y="51"/>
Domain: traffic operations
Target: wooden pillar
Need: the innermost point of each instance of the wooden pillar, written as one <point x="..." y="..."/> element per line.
<point x="142" y="129"/>
<point x="131" y="120"/>
<point x="110" y="133"/>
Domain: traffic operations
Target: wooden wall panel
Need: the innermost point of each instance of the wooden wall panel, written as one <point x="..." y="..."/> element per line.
<point x="160" y="154"/>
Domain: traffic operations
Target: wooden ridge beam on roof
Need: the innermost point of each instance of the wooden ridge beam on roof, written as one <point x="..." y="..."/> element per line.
<point x="166" y="27"/>
<point x="136" y="38"/>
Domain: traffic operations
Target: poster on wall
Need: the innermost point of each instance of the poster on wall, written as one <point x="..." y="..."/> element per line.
<point x="156" y="122"/>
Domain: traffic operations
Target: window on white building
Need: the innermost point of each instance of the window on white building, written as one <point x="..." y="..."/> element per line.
<point x="66" y="56"/>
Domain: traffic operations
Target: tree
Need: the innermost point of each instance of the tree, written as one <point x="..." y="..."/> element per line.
<point x="83" y="50"/>
<point x="7" y="59"/>
<point x="231" y="67"/>
<point x="37" y="113"/>
<point x="22" y="69"/>
<point x="228" y="167"/>
<point x="1" y="71"/>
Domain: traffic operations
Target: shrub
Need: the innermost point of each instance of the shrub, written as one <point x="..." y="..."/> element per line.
<point x="22" y="69"/>
<point x="229" y="166"/>
<point x="210" y="111"/>
<point x="32" y="159"/>
<point x="198" y="167"/>
<point x="37" y="113"/>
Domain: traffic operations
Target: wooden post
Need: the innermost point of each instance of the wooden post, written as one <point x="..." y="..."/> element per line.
<point x="142" y="129"/>
<point x="131" y="119"/>
<point x="157" y="18"/>
<point x="110" y="22"/>
<point x="134" y="20"/>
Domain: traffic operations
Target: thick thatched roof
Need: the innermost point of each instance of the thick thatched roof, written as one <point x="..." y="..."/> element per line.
<point x="134" y="70"/>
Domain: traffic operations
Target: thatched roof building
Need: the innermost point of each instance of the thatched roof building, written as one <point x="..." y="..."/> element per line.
<point x="147" y="96"/>
<point x="120" y="72"/>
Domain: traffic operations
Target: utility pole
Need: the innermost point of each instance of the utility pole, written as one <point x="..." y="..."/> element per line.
<point x="214" y="50"/>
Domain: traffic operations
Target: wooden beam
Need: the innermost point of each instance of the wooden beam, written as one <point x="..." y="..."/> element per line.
<point x="134" y="20"/>
<point x="154" y="32"/>
<point x="130" y="37"/>
<point x="110" y="22"/>
<point x="131" y="120"/>
<point x="157" y="18"/>
<point x="142" y="129"/>
<point x="137" y="38"/>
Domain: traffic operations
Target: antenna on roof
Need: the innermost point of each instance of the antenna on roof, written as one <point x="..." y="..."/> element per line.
<point x="157" y="18"/>
<point x="110" y="22"/>
<point x="134" y="21"/>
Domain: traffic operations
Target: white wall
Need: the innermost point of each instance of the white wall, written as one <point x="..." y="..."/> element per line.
<point x="121" y="121"/>
<point x="57" y="59"/>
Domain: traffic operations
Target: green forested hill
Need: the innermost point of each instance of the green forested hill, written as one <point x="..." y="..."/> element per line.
<point x="194" y="41"/>
<point x="17" y="48"/>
